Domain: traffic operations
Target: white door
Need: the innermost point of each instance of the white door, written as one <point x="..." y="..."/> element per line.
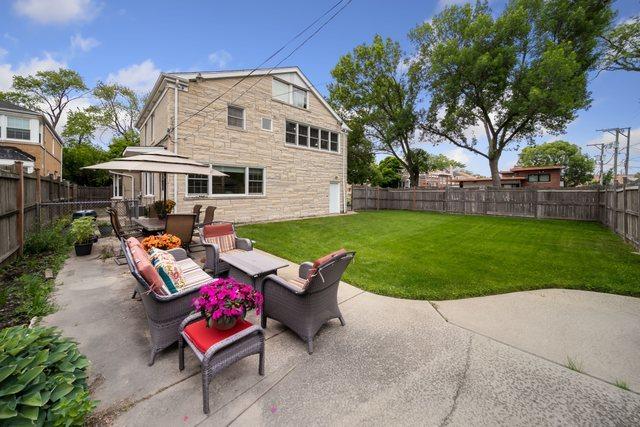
<point x="334" y="197"/>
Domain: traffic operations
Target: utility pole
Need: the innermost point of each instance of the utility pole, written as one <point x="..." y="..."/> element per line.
<point x="601" y="146"/>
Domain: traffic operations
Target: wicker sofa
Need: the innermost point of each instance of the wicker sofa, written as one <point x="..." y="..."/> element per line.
<point x="217" y="238"/>
<point x="307" y="302"/>
<point x="166" y="312"/>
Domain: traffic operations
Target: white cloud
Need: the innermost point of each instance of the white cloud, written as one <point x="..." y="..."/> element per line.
<point x="83" y="44"/>
<point x="459" y="154"/>
<point x="3" y="52"/>
<point x="220" y="58"/>
<point x="139" y="77"/>
<point x="57" y="11"/>
<point x="46" y="63"/>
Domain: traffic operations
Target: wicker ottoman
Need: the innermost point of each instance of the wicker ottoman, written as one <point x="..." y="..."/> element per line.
<point x="218" y="349"/>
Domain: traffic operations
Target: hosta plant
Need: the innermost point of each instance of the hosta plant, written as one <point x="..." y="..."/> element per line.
<point x="43" y="378"/>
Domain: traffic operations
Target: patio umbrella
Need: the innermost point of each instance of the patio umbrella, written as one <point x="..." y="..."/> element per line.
<point x="162" y="162"/>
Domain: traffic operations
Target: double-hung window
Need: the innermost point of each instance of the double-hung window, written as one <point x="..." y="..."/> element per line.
<point x="18" y="128"/>
<point x="311" y="137"/>
<point x="197" y="184"/>
<point x="117" y="186"/>
<point x="235" y="116"/>
<point x="148" y="184"/>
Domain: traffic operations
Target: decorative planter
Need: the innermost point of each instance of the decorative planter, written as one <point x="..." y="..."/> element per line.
<point x="222" y="324"/>
<point x="84" y="249"/>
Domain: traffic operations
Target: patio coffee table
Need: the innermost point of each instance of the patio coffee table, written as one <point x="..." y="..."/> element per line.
<point x="151" y="225"/>
<point x="251" y="264"/>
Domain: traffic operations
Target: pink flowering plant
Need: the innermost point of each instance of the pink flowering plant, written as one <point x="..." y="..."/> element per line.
<point x="226" y="299"/>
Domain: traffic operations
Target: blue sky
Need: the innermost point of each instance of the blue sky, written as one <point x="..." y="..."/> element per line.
<point x="131" y="41"/>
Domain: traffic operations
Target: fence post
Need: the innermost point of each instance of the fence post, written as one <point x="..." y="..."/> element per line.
<point x="20" y="207"/>
<point x="624" y="207"/>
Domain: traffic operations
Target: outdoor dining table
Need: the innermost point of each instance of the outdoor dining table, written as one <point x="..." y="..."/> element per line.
<point x="251" y="265"/>
<point x="150" y="225"/>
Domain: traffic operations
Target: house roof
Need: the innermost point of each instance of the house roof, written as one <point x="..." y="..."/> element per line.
<point x="483" y="179"/>
<point x="12" y="153"/>
<point x="6" y="105"/>
<point x="536" y="168"/>
<point x="186" y="76"/>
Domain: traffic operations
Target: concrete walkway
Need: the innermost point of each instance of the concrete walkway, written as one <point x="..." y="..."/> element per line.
<point x="396" y="361"/>
<point x="600" y="333"/>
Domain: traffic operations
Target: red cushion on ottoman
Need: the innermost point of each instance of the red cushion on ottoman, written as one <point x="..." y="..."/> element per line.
<point x="203" y="338"/>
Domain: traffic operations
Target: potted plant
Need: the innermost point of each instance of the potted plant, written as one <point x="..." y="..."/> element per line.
<point x="163" y="208"/>
<point x="105" y="228"/>
<point x="224" y="301"/>
<point x="83" y="234"/>
<point x="163" y="241"/>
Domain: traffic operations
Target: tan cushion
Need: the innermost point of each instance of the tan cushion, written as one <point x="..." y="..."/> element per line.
<point x="299" y="283"/>
<point x="226" y="242"/>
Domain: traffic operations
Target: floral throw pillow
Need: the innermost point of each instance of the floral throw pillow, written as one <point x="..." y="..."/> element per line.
<point x="169" y="271"/>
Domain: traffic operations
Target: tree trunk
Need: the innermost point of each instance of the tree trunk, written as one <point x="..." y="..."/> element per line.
<point x="495" y="172"/>
<point x="414" y="178"/>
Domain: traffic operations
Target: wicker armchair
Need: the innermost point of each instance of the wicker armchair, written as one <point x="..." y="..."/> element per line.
<point x="309" y="301"/>
<point x="165" y="313"/>
<point x="218" y="238"/>
<point x="181" y="225"/>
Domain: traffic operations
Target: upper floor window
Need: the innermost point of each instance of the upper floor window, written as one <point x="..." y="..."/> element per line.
<point x="235" y="116"/>
<point x="287" y="92"/>
<point x="542" y="177"/>
<point x="312" y="137"/>
<point x="18" y="128"/>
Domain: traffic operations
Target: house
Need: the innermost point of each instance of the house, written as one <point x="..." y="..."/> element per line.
<point x="438" y="179"/>
<point x="282" y="147"/>
<point x="27" y="136"/>
<point x="520" y="176"/>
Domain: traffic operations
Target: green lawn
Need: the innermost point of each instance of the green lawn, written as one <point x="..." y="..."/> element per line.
<point x="441" y="256"/>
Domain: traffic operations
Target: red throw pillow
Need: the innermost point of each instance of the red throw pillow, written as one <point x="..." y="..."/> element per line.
<point x="132" y="241"/>
<point x="216" y="230"/>
<point x="151" y="276"/>
<point x="322" y="261"/>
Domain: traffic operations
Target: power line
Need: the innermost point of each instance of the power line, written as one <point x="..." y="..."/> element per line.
<point x="268" y="59"/>
<point x="262" y="76"/>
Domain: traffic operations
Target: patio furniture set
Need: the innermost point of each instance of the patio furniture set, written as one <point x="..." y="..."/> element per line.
<point x="303" y="304"/>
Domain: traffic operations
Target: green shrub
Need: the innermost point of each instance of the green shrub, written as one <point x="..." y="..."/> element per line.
<point x="35" y="295"/>
<point x="82" y="230"/>
<point x="51" y="238"/>
<point x="43" y="378"/>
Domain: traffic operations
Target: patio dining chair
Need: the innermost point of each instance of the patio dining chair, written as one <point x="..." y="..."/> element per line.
<point x="307" y="302"/>
<point x="121" y="232"/>
<point x="208" y="215"/>
<point x="181" y="225"/>
<point x="196" y="211"/>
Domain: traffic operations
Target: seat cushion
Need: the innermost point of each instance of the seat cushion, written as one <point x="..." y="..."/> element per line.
<point x="299" y="283"/>
<point x="168" y="269"/>
<point x="222" y="235"/>
<point x="193" y="274"/>
<point x="203" y="338"/>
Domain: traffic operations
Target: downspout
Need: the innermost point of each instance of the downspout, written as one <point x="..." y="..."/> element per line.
<point x="175" y="139"/>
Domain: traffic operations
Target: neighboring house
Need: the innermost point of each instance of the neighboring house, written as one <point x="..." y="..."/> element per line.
<point x="520" y="176"/>
<point x="27" y="136"/>
<point x="280" y="143"/>
<point x="439" y="179"/>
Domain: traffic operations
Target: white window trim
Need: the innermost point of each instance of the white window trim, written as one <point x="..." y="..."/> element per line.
<point x="148" y="177"/>
<point x="270" y="121"/>
<point x="246" y="194"/>
<point x="290" y="93"/>
<point x="308" y="147"/>
<point x="117" y="179"/>
<point x="244" y="117"/>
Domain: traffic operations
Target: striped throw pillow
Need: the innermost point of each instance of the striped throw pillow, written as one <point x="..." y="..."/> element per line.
<point x="168" y="270"/>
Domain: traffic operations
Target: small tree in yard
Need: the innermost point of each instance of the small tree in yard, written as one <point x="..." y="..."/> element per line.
<point x="622" y="47"/>
<point x="371" y="86"/>
<point x="578" y="168"/>
<point x="516" y="76"/>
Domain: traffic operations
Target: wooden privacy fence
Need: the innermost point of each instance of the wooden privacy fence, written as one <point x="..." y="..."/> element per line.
<point x="618" y="208"/>
<point x="94" y="193"/>
<point x="20" y="197"/>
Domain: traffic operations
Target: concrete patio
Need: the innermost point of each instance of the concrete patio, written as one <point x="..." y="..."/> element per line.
<point x="396" y="361"/>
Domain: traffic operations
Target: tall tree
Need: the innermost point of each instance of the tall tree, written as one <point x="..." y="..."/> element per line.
<point x="360" y="155"/>
<point x="49" y="92"/>
<point x="516" y="75"/>
<point x="116" y="108"/>
<point x="373" y="85"/>
<point x="79" y="128"/>
<point x="622" y="46"/>
<point x="578" y="167"/>
<point x="425" y="162"/>
<point x="389" y="172"/>
<point x="76" y="155"/>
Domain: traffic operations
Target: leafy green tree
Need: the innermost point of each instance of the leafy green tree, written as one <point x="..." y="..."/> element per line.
<point x="622" y="46"/>
<point x="49" y="92"/>
<point x="371" y="84"/>
<point x="360" y="155"/>
<point x="77" y="155"/>
<point x="607" y="177"/>
<point x="79" y="128"/>
<point x="578" y="167"/>
<point x="390" y="172"/>
<point x="515" y="75"/>
<point x="119" y="143"/>
<point x="117" y="108"/>
<point x="425" y="162"/>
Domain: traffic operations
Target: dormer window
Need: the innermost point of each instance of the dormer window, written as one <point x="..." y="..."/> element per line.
<point x="289" y="93"/>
